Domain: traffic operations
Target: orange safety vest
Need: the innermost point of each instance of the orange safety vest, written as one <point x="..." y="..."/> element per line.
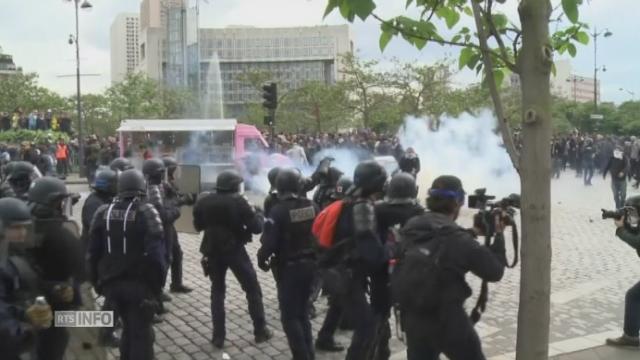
<point x="61" y="151"/>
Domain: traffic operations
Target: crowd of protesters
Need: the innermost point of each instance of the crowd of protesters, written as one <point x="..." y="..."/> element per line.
<point x="35" y="120"/>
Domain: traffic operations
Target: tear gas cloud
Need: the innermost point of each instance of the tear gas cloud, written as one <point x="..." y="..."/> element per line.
<point x="465" y="147"/>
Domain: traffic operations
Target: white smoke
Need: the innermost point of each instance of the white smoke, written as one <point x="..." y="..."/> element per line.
<point x="345" y="160"/>
<point x="465" y="147"/>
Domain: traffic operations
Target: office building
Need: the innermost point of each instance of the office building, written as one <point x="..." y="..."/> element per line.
<point x="125" y="49"/>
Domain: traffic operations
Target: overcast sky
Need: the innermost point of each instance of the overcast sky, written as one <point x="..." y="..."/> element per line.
<point x="35" y="32"/>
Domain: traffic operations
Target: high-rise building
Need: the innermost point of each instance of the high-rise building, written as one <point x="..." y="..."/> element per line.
<point x="125" y="50"/>
<point x="7" y="66"/>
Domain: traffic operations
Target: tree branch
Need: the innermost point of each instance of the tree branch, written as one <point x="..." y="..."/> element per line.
<point x="503" y="125"/>
<point x="505" y="60"/>
<point x="496" y="35"/>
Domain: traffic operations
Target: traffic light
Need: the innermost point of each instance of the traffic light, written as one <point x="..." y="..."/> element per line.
<point x="270" y="96"/>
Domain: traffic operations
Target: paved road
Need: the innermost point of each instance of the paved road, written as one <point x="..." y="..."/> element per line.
<point x="591" y="270"/>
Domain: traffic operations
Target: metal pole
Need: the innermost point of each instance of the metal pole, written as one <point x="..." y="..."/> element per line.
<point x="79" y="104"/>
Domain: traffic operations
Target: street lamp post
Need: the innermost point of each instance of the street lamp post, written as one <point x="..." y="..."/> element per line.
<point x="74" y="39"/>
<point x="595" y="34"/>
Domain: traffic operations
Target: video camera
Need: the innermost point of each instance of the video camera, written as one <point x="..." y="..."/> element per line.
<point x="485" y="218"/>
<point x="616" y="214"/>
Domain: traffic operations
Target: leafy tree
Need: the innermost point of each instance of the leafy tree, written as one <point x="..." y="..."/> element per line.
<point x="23" y="91"/>
<point x="362" y="81"/>
<point x="530" y="55"/>
<point x="317" y="106"/>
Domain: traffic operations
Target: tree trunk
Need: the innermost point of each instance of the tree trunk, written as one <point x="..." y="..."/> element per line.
<point x="535" y="60"/>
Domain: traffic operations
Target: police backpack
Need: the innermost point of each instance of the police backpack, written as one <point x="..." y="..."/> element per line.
<point x="419" y="274"/>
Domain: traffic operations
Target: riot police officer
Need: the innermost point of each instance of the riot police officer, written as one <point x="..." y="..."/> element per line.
<point x="20" y="175"/>
<point x="174" y="199"/>
<point x="271" y="198"/>
<point x="228" y="222"/>
<point x="399" y="205"/>
<point x="154" y="172"/>
<point x="326" y="177"/>
<point x="289" y="240"/>
<point x="335" y="316"/>
<point x="357" y="246"/>
<point x="409" y="162"/>
<point x="57" y="257"/>
<point x="19" y="318"/>
<point x="105" y="187"/>
<point x="127" y="262"/>
<point x="120" y="164"/>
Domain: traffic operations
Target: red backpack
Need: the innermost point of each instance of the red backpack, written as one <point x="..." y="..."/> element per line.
<point x="324" y="226"/>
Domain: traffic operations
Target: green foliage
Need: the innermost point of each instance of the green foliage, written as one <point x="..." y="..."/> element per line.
<point x="23" y="91"/>
<point x="33" y="136"/>
<point x="570" y="8"/>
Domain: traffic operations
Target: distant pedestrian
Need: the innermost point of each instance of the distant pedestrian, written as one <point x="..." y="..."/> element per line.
<point x="62" y="157"/>
<point x="618" y="165"/>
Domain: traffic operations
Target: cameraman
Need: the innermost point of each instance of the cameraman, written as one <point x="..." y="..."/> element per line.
<point x="448" y="329"/>
<point x="630" y="236"/>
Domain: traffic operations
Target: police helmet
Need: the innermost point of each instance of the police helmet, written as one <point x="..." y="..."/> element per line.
<point x="288" y="181"/>
<point x="14" y="211"/>
<point x="333" y="175"/>
<point x="106" y="181"/>
<point x="169" y="162"/>
<point x="402" y="186"/>
<point x="20" y="170"/>
<point x="14" y="215"/>
<point x="272" y="175"/>
<point x="120" y="164"/>
<point x="153" y="167"/>
<point x="228" y="181"/>
<point x="343" y="185"/>
<point x="369" y="177"/>
<point x="131" y="183"/>
<point x="47" y="190"/>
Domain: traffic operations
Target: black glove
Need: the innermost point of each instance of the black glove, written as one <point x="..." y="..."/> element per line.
<point x="264" y="263"/>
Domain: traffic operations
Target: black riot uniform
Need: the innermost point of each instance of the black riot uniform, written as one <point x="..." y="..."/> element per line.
<point x="448" y="329"/>
<point x="399" y="206"/>
<point x="289" y="240"/>
<point x="57" y="258"/>
<point x="335" y="316"/>
<point x="409" y="162"/>
<point x="154" y="172"/>
<point x="359" y="251"/>
<point x="174" y="200"/>
<point x="105" y="187"/>
<point x="327" y="180"/>
<point x="127" y="262"/>
<point x="271" y="199"/>
<point x="228" y="222"/>
<point x="18" y="286"/>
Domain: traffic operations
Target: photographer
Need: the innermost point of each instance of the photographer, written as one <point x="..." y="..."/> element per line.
<point x="434" y="319"/>
<point x="630" y="235"/>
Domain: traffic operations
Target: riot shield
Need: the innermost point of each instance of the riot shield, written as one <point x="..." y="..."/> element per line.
<point x="187" y="179"/>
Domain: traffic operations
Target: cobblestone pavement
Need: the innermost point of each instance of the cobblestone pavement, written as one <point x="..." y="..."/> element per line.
<point x="591" y="271"/>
